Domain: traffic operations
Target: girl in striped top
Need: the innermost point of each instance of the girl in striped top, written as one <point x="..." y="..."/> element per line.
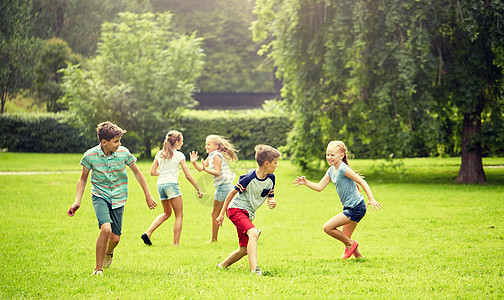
<point x="220" y="151"/>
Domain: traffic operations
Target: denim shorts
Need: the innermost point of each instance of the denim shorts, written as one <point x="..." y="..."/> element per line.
<point x="356" y="213"/>
<point x="168" y="190"/>
<point x="105" y="214"/>
<point x="221" y="191"/>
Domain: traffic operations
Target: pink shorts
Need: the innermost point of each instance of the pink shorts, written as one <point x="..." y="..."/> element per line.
<point x="241" y="220"/>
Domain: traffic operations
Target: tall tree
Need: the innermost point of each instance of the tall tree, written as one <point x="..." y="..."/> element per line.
<point x="18" y="48"/>
<point x="142" y="76"/>
<point x="78" y="21"/>
<point x="389" y="77"/>
<point x="232" y="62"/>
<point x="47" y="84"/>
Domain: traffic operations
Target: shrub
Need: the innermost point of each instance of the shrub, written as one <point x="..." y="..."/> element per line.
<point x="41" y="132"/>
<point x="244" y="128"/>
<point x="57" y="133"/>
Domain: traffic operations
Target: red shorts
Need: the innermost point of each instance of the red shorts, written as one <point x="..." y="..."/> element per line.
<point x="241" y="220"/>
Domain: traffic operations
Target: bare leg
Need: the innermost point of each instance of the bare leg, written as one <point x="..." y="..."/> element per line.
<point x="217" y="207"/>
<point x="234" y="257"/>
<point x="177" y="226"/>
<point x="161" y="218"/>
<point x="253" y="235"/>
<point x="112" y="243"/>
<point x="348" y="230"/>
<point x="331" y="228"/>
<point x="101" y="244"/>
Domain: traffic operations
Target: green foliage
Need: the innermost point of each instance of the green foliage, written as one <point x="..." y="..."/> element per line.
<point x="44" y="132"/>
<point x="47" y="84"/>
<point x="142" y="77"/>
<point x="244" y="129"/>
<point x="78" y="22"/>
<point x="232" y="62"/>
<point x="18" y="48"/>
<point x="384" y="76"/>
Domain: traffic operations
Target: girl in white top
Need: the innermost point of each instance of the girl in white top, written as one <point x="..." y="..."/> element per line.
<point x="220" y="151"/>
<point x="166" y="166"/>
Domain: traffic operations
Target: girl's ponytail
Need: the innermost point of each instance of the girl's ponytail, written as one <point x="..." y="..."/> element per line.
<point x="168" y="145"/>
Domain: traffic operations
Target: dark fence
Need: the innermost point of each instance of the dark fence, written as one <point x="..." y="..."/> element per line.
<point x="229" y="100"/>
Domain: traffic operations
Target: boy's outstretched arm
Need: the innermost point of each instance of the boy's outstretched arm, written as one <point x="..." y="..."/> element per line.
<point x="229" y="197"/>
<point x="81" y="185"/>
<point x="151" y="203"/>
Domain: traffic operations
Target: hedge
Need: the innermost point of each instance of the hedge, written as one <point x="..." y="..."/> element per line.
<point x="244" y="129"/>
<point x="54" y="133"/>
<point x="41" y="132"/>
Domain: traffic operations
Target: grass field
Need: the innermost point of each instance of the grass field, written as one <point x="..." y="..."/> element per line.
<point x="432" y="239"/>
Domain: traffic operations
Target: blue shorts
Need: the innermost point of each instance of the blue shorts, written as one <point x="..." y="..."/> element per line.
<point x="168" y="190"/>
<point x="221" y="191"/>
<point x="356" y="213"/>
<point x="105" y="214"/>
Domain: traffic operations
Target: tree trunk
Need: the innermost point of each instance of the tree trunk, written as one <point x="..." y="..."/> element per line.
<point x="148" y="148"/>
<point x="60" y="18"/>
<point x="4" y="99"/>
<point x="471" y="169"/>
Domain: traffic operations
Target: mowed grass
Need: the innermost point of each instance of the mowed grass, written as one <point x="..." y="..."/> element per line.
<point x="432" y="239"/>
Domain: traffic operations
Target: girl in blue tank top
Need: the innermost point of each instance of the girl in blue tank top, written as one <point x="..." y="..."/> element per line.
<point x="354" y="208"/>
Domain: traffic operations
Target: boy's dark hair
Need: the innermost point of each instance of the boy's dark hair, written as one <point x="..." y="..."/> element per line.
<point x="265" y="153"/>
<point x="108" y="130"/>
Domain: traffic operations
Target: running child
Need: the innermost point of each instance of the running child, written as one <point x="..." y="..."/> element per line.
<point x="109" y="178"/>
<point x="354" y="208"/>
<point x="166" y="166"/>
<point x="220" y="151"/>
<point x="253" y="189"/>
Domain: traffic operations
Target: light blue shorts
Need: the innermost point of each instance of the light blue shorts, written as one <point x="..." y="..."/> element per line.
<point x="221" y="191"/>
<point x="168" y="190"/>
<point x="105" y="214"/>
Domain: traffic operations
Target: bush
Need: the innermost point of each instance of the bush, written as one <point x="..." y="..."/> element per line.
<point x="42" y="132"/>
<point x="244" y="128"/>
<point x="54" y="133"/>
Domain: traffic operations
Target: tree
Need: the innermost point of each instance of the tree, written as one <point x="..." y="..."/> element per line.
<point x="142" y="76"/>
<point x="18" y="49"/>
<point x="47" y="84"/>
<point x="388" y="77"/>
<point x="232" y="62"/>
<point x="78" y="22"/>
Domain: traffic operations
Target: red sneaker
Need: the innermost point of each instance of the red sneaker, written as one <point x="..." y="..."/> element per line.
<point x="349" y="252"/>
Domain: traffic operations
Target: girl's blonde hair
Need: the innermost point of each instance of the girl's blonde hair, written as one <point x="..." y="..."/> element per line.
<point x="224" y="146"/>
<point x="171" y="138"/>
<point x="342" y="148"/>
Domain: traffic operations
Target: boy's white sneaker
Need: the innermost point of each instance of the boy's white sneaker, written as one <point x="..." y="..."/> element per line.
<point x="221" y="267"/>
<point x="257" y="271"/>
<point x="108" y="260"/>
<point x="98" y="272"/>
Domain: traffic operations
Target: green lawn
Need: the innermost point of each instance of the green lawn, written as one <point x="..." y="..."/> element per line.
<point x="432" y="239"/>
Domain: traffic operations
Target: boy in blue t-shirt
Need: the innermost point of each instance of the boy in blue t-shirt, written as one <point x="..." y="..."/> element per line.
<point x="253" y="189"/>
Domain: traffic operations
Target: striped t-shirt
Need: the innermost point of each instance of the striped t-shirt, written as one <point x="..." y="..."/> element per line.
<point x="226" y="175"/>
<point x="109" y="176"/>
